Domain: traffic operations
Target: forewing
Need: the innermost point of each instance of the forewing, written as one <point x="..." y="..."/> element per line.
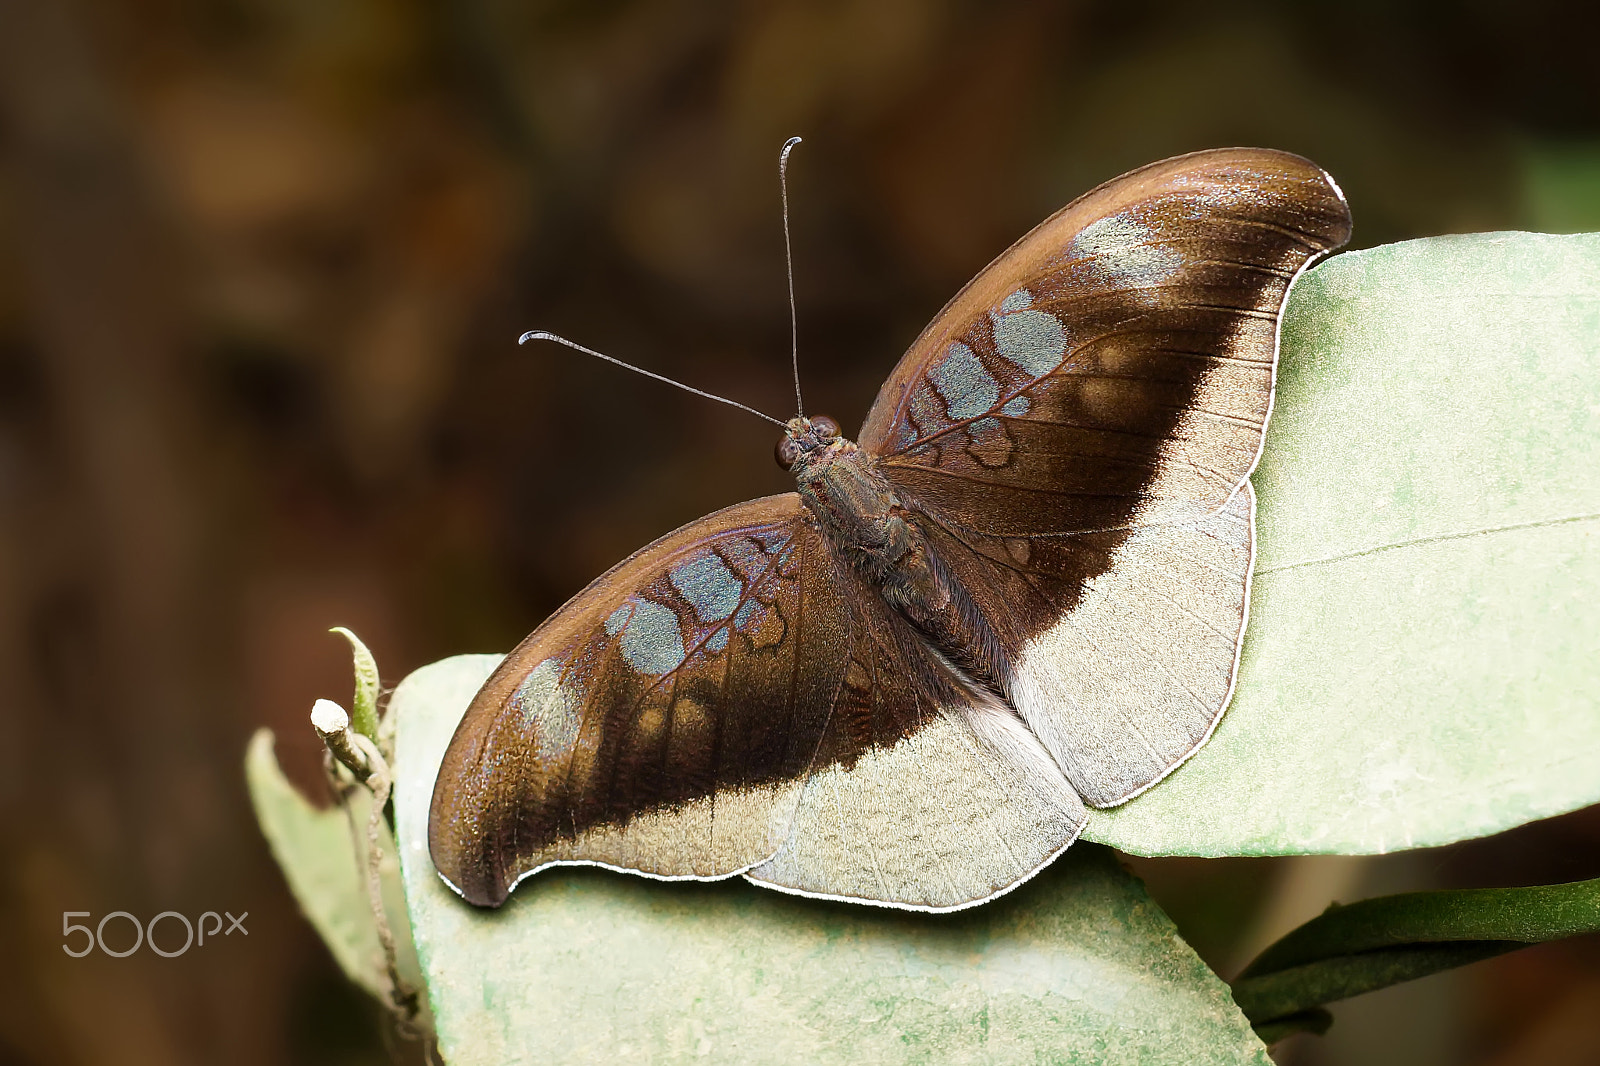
<point x="926" y="794"/>
<point x="1114" y="368"/>
<point x="663" y="721"/>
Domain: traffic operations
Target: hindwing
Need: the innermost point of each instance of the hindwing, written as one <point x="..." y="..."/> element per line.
<point x="963" y="805"/>
<point x="1121" y="645"/>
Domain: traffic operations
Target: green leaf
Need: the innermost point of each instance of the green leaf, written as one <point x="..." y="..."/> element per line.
<point x="364" y="706"/>
<point x="318" y="852"/>
<point x="1529" y="915"/>
<point x="1275" y="998"/>
<point x="1379" y="942"/>
<point x="593" y="966"/>
<point x="1421" y="663"/>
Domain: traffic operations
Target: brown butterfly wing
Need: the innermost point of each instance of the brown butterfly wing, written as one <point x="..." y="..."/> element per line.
<point x="1075" y="428"/>
<point x="1115" y="366"/>
<point x="663" y="721"/>
<point x="731" y="695"/>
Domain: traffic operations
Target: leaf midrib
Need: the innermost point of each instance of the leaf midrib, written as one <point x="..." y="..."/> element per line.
<point x="1431" y="539"/>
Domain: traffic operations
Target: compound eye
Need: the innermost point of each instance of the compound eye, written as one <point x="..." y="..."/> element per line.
<point x="786" y="452"/>
<point x="824" y="427"/>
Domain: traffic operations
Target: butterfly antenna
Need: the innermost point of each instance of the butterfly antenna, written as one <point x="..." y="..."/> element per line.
<point x="541" y="335"/>
<point x="788" y="262"/>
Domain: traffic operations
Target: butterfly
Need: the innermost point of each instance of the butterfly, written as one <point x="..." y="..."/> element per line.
<point x="1019" y="591"/>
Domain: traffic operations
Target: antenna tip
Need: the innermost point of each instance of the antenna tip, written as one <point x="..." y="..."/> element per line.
<point x="533" y="335"/>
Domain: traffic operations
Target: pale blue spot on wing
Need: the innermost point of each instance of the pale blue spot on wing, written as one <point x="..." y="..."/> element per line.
<point x="618" y="618"/>
<point x="746" y="613"/>
<point x="1126" y="250"/>
<point x="549" y="710"/>
<point x="708" y="584"/>
<point x="968" y="389"/>
<point x="719" y="640"/>
<point x="1017" y="405"/>
<point x="1111" y="235"/>
<point x="652" y="641"/>
<point x="1020" y="300"/>
<point x="1034" y="340"/>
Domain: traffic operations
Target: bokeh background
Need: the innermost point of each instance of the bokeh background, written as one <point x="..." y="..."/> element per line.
<point x="262" y="268"/>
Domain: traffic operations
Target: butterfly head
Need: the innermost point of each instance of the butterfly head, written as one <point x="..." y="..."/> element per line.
<point x="805" y="440"/>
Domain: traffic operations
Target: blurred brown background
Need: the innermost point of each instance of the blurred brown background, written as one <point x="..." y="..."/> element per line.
<point x="262" y="268"/>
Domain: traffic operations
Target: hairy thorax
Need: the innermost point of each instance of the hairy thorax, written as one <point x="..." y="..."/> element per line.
<point x="867" y="523"/>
